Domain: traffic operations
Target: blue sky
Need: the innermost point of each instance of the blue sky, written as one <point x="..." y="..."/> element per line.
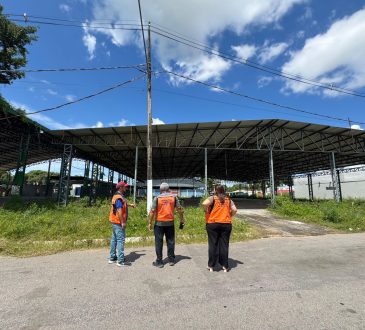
<point x="319" y="40"/>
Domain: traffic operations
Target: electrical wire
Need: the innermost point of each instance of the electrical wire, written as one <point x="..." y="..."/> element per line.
<point x="144" y="41"/>
<point x="137" y="66"/>
<point x="82" y="26"/>
<point x="77" y="100"/>
<point x="164" y="32"/>
<point x="79" y="20"/>
<point x="254" y="65"/>
<point x="233" y="104"/>
<point x="257" y="99"/>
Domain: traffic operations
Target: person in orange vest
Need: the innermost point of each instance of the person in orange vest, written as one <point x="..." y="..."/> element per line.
<point x="219" y="210"/>
<point x="118" y="217"/>
<point x="162" y="212"/>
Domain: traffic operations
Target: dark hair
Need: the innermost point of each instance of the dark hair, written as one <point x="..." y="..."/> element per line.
<point x="221" y="193"/>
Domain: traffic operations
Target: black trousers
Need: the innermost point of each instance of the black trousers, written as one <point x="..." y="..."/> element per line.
<point x="218" y="242"/>
<point x="169" y="232"/>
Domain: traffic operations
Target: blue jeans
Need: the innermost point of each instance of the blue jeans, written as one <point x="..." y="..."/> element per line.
<point x="117" y="241"/>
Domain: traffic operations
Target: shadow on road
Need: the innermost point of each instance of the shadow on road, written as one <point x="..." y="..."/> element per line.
<point x="233" y="263"/>
<point x="133" y="256"/>
<point x="178" y="258"/>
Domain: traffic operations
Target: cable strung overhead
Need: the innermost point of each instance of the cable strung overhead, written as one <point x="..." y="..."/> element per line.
<point x="255" y="98"/>
<point x="180" y="38"/>
<point x="79" y="99"/>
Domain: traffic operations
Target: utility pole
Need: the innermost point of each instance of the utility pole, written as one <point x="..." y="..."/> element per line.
<point x="149" y="127"/>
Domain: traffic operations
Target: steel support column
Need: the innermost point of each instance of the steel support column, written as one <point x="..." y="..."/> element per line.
<point x="272" y="177"/>
<point x="336" y="194"/>
<point x="310" y="187"/>
<point x="65" y="171"/>
<point x="339" y="184"/>
<point x="22" y="162"/>
<point x="206" y="171"/>
<point x="110" y="182"/>
<point x="48" y="181"/>
<point x="263" y="188"/>
<point x="290" y="184"/>
<point x="94" y="183"/>
<point x="86" y="185"/>
<point x="135" y="176"/>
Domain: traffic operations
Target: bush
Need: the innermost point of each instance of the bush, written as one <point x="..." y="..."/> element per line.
<point x="348" y="215"/>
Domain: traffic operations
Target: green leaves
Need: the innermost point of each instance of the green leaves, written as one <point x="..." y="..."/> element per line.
<point x="13" y="41"/>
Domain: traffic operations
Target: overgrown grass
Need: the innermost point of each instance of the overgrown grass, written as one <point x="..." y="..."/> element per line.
<point x="43" y="227"/>
<point x="348" y="215"/>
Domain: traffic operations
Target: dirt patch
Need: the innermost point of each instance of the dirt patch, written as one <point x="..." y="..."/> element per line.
<point x="271" y="225"/>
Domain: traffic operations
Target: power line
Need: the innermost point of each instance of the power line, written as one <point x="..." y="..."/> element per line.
<point x="77" y="100"/>
<point x="254" y="65"/>
<point x="83" y="25"/>
<point x="144" y="41"/>
<point x="137" y="66"/>
<point x="257" y="99"/>
<point x="199" y="46"/>
<point x="230" y="103"/>
<point x="79" y="20"/>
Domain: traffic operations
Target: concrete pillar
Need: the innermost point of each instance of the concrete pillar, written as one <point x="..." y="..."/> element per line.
<point x="335" y="186"/>
<point x="135" y="176"/>
<point x="272" y="177"/>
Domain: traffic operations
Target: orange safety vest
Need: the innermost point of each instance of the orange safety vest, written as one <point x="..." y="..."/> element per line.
<point x="219" y="212"/>
<point x="165" y="207"/>
<point x="113" y="215"/>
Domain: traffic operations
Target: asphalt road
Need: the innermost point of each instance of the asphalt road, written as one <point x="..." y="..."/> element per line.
<point x="276" y="283"/>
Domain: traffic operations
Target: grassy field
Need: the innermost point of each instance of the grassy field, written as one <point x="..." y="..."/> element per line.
<point x="43" y="228"/>
<point x="348" y="215"/>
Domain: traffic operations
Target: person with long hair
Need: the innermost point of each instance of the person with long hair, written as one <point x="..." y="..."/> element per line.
<point x="219" y="210"/>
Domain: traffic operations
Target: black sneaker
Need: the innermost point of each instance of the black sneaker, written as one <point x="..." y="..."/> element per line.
<point x="171" y="262"/>
<point x="226" y="269"/>
<point x="112" y="261"/>
<point x="123" y="263"/>
<point x="158" y="264"/>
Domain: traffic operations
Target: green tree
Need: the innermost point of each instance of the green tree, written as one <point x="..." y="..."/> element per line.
<point x="37" y="177"/>
<point x="5" y="176"/>
<point x="13" y="53"/>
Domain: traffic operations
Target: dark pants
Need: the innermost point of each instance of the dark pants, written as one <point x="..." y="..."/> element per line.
<point x="169" y="232"/>
<point x="218" y="242"/>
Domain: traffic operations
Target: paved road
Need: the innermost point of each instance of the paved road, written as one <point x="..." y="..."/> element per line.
<point x="272" y="225"/>
<point x="276" y="283"/>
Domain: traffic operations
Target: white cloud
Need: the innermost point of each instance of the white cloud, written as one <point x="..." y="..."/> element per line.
<point x="308" y="14"/>
<point x="89" y="41"/>
<point x="40" y="118"/>
<point x="244" y="52"/>
<point x="203" y="20"/>
<point x="51" y="92"/>
<point x="65" y="8"/>
<point x="70" y="97"/>
<point x="269" y="53"/>
<point x="31" y="89"/>
<point x="122" y="122"/>
<point x="301" y="34"/>
<point x="335" y="57"/>
<point x="264" y="81"/>
<point x="157" y="121"/>
<point x="98" y="124"/>
<point x="357" y="127"/>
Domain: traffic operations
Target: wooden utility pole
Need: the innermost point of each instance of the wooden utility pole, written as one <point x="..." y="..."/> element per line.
<point x="149" y="127"/>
